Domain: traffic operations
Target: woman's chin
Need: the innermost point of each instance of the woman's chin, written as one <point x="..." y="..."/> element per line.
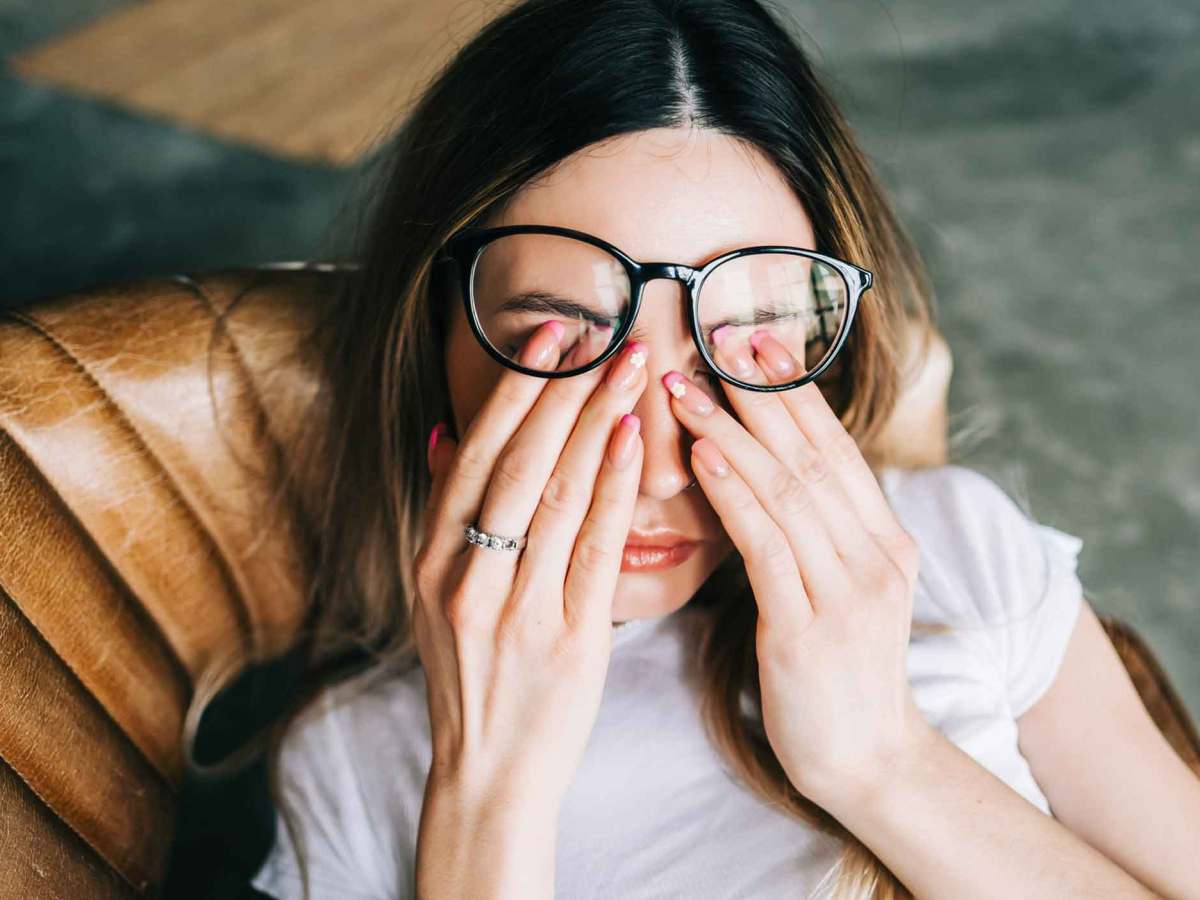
<point x="654" y="590"/>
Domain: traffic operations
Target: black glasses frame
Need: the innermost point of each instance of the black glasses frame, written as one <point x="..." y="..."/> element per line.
<point x="464" y="247"/>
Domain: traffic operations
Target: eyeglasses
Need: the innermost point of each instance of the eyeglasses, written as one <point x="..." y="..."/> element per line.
<point x="514" y="278"/>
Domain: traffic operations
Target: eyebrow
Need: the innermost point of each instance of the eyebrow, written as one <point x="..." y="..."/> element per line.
<point x="760" y="317"/>
<point x="545" y="302"/>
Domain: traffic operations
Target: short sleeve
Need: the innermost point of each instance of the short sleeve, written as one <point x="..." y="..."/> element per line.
<point x="990" y="567"/>
<point x="326" y="799"/>
<point x="1037" y="638"/>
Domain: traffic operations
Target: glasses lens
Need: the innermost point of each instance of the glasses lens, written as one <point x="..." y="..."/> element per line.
<point x="522" y="281"/>
<point x="802" y="302"/>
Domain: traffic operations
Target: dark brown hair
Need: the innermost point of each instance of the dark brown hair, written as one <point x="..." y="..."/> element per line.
<point x="539" y="82"/>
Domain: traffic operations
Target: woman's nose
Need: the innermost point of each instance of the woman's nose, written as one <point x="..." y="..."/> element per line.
<point x="666" y="466"/>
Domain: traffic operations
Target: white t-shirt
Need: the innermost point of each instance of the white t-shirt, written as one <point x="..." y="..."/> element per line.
<point x="653" y="811"/>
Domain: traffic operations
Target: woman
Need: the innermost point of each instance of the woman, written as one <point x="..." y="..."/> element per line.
<point x="681" y="665"/>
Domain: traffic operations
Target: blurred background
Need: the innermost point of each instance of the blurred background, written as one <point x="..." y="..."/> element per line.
<point x="1045" y="154"/>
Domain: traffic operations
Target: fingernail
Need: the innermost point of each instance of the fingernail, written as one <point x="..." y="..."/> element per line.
<point x="687" y="393"/>
<point x="625" y="440"/>
<point x="581" y="354"/>
<point x="738" y="359"/>
<point x="625" y="372"/>
<point x="438" y="430"/>
<point x="711" y="458"/>
<point x="543" y="343"/>
<point x="773" y="353"/>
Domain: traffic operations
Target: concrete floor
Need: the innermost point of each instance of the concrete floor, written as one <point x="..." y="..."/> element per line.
<point x="1045" y="154"/>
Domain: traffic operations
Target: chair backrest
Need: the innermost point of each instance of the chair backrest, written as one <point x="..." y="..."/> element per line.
<point x="134" y="553"/>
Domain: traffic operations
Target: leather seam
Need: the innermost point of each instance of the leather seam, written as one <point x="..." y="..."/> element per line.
<point x="46" y="802"/>
<point x="198" y="289"/>
<point x="103" y="857"/>
<point x="264" y="420"/>
<point x="278" y="461"/>
<point x="189" y="510"/>
<point x="10" y="597"/>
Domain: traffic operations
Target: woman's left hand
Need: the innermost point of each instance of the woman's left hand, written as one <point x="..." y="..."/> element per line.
<point x="831" y="569"/>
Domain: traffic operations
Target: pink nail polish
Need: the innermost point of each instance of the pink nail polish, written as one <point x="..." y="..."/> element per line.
<point x="691" y="396"/>
<point x="671" y="379"/>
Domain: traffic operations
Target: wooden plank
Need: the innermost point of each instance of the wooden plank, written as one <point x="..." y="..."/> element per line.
<point x="307" y="79"/>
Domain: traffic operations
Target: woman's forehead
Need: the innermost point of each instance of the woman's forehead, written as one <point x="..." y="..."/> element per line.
<point x="667" y="195"/>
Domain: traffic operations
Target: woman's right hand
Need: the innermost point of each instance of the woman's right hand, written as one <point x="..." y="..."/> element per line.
<point x="515" y="647"/>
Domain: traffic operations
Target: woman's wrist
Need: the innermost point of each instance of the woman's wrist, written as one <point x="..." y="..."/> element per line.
<point x="492" y="791"/>
<point x="494" y="841"/>
<point x="866" y="782"/>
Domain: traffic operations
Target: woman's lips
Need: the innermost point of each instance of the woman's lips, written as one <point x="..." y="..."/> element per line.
<point x="649" y="558"/>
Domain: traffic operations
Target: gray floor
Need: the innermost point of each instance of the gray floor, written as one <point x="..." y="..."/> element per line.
<point x="1045" y="154"/>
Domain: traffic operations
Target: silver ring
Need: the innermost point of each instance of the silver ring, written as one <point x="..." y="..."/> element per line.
<point x="493" y="541"/>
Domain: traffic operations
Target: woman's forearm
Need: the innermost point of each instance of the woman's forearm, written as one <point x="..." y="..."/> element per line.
<point x="948" y="828"/>
<point x="493" y="845"/>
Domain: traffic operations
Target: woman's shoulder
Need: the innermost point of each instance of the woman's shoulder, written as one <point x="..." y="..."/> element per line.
<point x="978" y="540"/>
<point x="353" y="763"/>
<point x="356" y="711"/>
<point x="361" y="745"/>
<point x="948" y="488"/>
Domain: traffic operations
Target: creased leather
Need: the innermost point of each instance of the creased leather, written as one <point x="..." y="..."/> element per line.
<point x="71" y="597"/>
<point x="135" y="547"/>
<point x="76" y="759"/>
<point x="114" y="484"/>
<point x="42" y="859"/>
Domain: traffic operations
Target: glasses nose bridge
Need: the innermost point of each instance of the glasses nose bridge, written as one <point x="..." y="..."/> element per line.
<point x="653" y="271"/>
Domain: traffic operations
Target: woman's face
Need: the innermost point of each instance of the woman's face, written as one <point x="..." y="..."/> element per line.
<point x="664" y="195"/>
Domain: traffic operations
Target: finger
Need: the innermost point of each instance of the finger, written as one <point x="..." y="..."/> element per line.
<point x="529" y="455"/>
<point x="567" y="496"/>
<point x="775" y="578"/>
<point x="484" y="439"/>
<point x="518" y="481"/>
<point x="784" y="495"/>
<point x="809" y="409"/>
<point x="592" y="343"/>
<point x="765" y="415"/>
<point x="595" y="564"/>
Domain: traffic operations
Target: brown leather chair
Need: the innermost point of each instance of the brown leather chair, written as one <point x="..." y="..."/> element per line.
<point x="135" y="554"/>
